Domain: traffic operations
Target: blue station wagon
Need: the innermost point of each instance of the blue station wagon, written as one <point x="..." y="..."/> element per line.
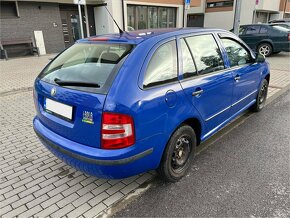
<point x="118" y="105"/>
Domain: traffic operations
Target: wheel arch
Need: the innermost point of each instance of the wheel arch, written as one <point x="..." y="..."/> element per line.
<point x="266" y="41"/>
<point x="195" y="124"/>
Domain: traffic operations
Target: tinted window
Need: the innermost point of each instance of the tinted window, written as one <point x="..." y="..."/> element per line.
<point x="189" y="69"/>
<point x="263" y="30"/>
<point x="206" y="53"/>
<point x="253" y="29"/>
<point x="237" y="54"/>
<point x="87" y="63"/>
<point x="162" y="67"/>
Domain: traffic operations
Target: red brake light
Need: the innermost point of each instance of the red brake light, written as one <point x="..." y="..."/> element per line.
<point x="117" y="131"/>
<point x="288" y="36"/>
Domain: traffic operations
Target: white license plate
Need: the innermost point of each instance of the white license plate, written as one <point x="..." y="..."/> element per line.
<point x="58" y="108"/>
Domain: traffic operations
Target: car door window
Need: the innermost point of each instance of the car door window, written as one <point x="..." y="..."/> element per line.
<point x="188" y="67"/>
<point x="206" y="53"/>
<point x="252" y="30"/>
<point x="162" y="67"/>
<point x="263" y="30"/>
<point x="242" y="30"/>
<point x="237" y="54"/>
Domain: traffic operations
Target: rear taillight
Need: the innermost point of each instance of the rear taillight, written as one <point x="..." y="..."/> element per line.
<point x="288" y="36"/>
<point x="117" y="131"/>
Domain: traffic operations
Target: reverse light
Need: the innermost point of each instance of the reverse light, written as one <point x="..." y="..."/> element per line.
<point x="117" y="131"/>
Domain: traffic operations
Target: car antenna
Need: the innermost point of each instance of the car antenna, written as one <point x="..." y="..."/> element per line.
<point x="120" y="30"/>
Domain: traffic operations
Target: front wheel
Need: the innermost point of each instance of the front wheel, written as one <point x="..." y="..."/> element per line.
<point x="265" y="49"/>
<point x="178" y="154"/>
<point x="261" y="97"/>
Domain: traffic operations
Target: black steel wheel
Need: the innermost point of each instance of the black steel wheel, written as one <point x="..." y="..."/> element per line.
<point x="178" y="154"/>
<point x="261" y="97"/>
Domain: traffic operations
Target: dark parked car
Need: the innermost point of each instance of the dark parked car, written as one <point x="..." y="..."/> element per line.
<point x="265" y="39"/>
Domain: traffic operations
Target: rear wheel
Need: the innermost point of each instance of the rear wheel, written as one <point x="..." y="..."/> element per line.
<point x="265" y="49"/>
<point x="261" y="97"/>
<point x="178" y="154"/>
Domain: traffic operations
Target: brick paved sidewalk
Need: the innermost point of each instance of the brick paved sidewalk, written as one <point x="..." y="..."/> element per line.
<point x="32" y="180"/>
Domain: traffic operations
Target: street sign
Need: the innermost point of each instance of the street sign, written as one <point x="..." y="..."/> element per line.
<point x="187" y="4"/>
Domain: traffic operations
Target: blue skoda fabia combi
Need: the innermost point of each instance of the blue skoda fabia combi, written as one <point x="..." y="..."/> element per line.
<point x="118" y="105"/>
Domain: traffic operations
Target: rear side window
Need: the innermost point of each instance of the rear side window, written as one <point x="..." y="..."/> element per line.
<point x="206" y="53"/>
<point x="84" y="64"/>
<point x="162" y="67"/>
<point x="263" y="30"/>
<point x="252" y="30"/>
<point x="237" y="54"/>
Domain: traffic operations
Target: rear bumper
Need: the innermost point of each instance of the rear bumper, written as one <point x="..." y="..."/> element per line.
<point x="113" y="164"/>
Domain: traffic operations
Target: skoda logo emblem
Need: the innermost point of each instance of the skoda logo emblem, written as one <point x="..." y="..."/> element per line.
<point x="53" y="91"/>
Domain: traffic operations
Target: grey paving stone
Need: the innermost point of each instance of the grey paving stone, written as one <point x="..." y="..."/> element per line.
<point x="67" y="200"/>
<point x="100" y="189"/>
<point x="115" y="188"/>
<point x="79" y="211"/>
<point x="130" y="188"/>
<point x="57" y="190"/>
<point x="82" y="199"/>
<point x="112" y="199"/>
<point x="30" y="212"/>
<point x="9" y="201"/>
<point x="5" y="210"/>
<point x="72" y="189"/>
<point x="87" y="189"/>
<point x="145" y="177"/>
<point x="22" y="201"/>
<point x="63" y="211"/>
<point x="29" y="191"/>
<point x="47" y="211"/>
<point x="14" y="191"/>
<point x="15" y="212"/>
<point x="51" y="201"/>
<point x="37" y="201"/>
<point x="95" y="210"/>
<point x="94" y="201"/>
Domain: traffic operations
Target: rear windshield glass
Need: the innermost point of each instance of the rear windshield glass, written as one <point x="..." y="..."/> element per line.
<point x="86" y="67"/>
<point x="281" y="28"/>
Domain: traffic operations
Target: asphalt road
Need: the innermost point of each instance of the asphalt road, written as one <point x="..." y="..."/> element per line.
<point x="245" y="173"/>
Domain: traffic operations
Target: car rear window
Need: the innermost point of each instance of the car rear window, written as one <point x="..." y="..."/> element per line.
<point x="281" y="29"/>
<point x="86" y="67"/>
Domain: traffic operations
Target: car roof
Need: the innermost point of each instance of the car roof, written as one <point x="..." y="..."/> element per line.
<point x="138" y="36"/>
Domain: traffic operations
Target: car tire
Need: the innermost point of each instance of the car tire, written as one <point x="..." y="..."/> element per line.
<point x="265" y="49"/>
<point x="178" y="154"/>
<point x="261" y="97"/>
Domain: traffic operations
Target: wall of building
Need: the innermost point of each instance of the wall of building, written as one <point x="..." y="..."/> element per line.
<point x="271" y="5"/>
<point x="36" y="16"/>
<point x="247" y="12"/>
<point x="222" y="20"/>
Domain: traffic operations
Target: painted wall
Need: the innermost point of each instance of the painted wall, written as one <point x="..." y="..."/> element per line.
<point x="271" y="5"/>
<point x="222" y="20"/>
<point x="36" y="16"/>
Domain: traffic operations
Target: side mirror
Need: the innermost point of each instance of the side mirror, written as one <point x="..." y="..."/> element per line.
<point x="260" y="58"/>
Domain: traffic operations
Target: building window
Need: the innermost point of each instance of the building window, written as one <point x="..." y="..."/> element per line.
<point x="220" y="4"/>
<point x="8" y="10"/>
<point x="149" y="17"/>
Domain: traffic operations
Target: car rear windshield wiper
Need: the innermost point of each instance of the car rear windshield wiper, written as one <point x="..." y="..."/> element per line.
<point x="75" y="83"/>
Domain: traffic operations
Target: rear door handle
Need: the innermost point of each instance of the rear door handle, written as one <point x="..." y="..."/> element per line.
<point x="199" y="92"/>
<point x="237" y="78"/>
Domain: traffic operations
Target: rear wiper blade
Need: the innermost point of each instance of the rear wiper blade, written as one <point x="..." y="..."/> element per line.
<point x="75" y="83"/>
